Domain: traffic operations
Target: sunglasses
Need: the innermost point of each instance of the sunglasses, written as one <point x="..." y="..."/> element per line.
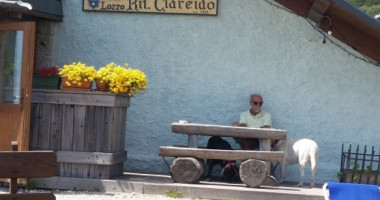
<point x="256" y="103"/>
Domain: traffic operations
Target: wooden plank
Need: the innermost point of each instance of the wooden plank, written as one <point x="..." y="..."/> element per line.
<point x="90" y="98"/>
<point x="56" y="130"/>
<point x="228" y="131"/>
<point x="118" y="134"/>
<point x="28" y="196"/>
<point x="98" y="158"/>
<point x="79" y="124"/>
<point x="78" y="137"/>
<point x="220" y="154"/>
<point x="44" y="127"/>
<point x="89" y="139"/>
<point x="55" y="127"/>
<point x="67" y="128"/>
<point x="27" y="164"/>
<point x="13" y="183"/>
<point x="34" y="121"/>
<point x="123" y="128"/>
<point x="100" y="114"/>
<point x="89" y="130"/>
<point x="67" y="137"/>
<point x="110" y="132"/>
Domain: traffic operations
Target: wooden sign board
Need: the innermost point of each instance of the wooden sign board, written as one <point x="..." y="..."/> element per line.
<point x="194" y="7"/>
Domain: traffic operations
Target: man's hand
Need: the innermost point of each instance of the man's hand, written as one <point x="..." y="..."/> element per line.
<point x="235" y="124"/>
<point x="241" y="125"/>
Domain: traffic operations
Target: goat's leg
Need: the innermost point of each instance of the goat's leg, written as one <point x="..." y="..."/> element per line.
<point x="312" y="179"/>
<point x="302" y="172"/>
<point x="313" y="163"/>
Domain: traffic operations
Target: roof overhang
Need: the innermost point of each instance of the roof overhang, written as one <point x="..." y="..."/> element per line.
<point x="47" y="9"/>
<point x="346" y="23"/>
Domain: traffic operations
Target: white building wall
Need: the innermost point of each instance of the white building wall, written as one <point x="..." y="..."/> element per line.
<point x="203" y="68"/>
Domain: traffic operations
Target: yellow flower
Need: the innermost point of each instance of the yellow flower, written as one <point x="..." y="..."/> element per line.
<point x="75" y="72"/>
<point x="122" y="80"/>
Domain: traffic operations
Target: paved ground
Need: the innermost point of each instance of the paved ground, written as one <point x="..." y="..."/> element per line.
<point x="149" y="186"/>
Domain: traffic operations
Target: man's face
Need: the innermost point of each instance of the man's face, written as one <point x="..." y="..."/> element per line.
<point x="256" y="103"/>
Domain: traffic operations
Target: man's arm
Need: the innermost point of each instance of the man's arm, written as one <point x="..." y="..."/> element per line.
<point x="267" y="121"/>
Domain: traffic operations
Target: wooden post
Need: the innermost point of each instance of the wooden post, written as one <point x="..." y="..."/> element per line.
<point x="192" y="141"/>
<point x="265" y="145"/>
<point x="13" y="183"/>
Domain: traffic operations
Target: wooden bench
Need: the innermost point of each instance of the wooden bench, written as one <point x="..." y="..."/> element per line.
<point x="26" y="164"/>
<point x="187" y="168"/>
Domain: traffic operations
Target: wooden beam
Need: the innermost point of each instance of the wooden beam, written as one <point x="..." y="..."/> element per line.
<point x="347" y="26"/>
<point x="228" y="131"/>
<point x="355" y="32"/>
<point x="90" y="98"/>
<point x="29" y="164"/>
<point x="28" y="196"/>
<point x="220" y="154"/>
<point x="97" y="158"/>
<point x="300" y="7"/>
<point x="318" y="9"/>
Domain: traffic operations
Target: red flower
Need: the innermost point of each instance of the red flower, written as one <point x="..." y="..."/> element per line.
<point x="45" y="72"/>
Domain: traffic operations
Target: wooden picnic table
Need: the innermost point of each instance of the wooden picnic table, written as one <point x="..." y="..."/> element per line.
<point x="187" y="167"/>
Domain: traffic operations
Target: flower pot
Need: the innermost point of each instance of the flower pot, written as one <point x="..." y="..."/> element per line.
<point x="84" y="86"/>
<point x="49" y="82"/>
<point x="101" y="86"/>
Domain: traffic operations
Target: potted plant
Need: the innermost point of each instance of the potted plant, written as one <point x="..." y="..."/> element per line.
<point x="104" y="76"/>
<point x="77" y="76"/>
<point x="46" y="78"/>
<point x="122" y="80"/>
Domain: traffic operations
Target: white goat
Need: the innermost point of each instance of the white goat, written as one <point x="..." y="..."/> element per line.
<point x="299" y="151"/>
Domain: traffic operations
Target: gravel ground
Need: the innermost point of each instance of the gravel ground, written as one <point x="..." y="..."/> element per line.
<point x="85" y="195"/>
<point x="71" y="195"/>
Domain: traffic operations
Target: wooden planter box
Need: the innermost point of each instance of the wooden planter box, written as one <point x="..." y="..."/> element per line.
<point x="51" y="82"/>
<point x="355" y="163"/>
<point x="373" y="178"/>
<point x="86" y="129"/>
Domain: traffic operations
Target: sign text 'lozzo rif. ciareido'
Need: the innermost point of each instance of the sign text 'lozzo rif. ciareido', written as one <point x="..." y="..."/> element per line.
<point x="197" y="7"/>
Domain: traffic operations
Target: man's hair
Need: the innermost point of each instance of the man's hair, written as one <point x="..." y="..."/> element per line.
<point x="256" y="95"/>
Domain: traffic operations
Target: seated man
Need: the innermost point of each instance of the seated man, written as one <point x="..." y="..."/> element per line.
<point x="256" y="118"/>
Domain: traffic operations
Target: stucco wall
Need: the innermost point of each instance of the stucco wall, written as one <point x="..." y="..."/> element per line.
<point x="203" y="68"/>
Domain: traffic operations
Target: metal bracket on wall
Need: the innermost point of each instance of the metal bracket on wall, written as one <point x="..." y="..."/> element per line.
<point x="318" y="9"/>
